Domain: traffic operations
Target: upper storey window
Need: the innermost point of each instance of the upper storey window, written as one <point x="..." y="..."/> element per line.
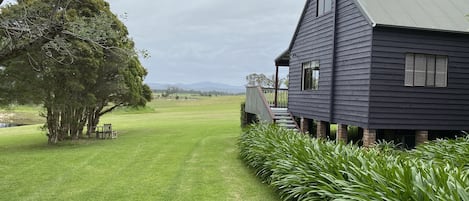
<point x="323" y="6"/>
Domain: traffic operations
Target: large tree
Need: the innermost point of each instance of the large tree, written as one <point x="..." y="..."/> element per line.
<point x="74" y="57"/>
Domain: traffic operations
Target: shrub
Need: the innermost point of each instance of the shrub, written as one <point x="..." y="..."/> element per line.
<point x="243" y="114"/>
<point x="247" y="118"/>
<point x="302" y="168"/>
<point x="454" y="152"/>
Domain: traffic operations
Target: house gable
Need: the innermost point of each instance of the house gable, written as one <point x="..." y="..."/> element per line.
<point x="436" y="15"/>
<point x="341" y="43"/>
<point x="312" y="42"/>
<point x="305" y="9"/>
<point x="361" y="61"/>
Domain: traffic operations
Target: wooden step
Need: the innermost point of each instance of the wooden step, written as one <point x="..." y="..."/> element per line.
<point x="288" y="125"/>
<point x="281" y="114"/>
<point x="279" y="109"/>
<point x="285" y="121"/>
<point x="282" y="117"/>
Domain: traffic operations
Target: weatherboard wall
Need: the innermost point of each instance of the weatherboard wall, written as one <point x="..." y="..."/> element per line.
<point x="395" y="106"/>
<point x="369" y="73"/>
<point x="352" y="66"/>
<point x="312" y="42"/>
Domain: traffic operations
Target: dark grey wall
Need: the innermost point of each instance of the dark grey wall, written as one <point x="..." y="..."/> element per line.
<point x="313" y="42"/>
<point x="369" y="86"/>
<point x="394" y="106"/>
<point x="352" y="66"/>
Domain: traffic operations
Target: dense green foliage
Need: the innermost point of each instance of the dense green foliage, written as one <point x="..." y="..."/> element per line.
<point x="169" y="150"/>
<point x="302" y="168"/>
<point x="80" y="65"/>
<point x="445" y="152"/>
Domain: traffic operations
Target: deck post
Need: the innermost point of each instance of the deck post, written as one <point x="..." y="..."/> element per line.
<point x="276" y="87"/>
<point x="369" y="137"/>
<point x="342" y="134"/>
<point x="421" y="137"/>
<point x="321" y="131"/>
<point x="304" y="125"/>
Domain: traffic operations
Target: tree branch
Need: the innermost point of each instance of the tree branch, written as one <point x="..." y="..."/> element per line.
<point x="110" y="109"/>
<point x="20" y="50"/>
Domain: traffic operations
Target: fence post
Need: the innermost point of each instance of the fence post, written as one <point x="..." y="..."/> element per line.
<point x="276" y="87"/>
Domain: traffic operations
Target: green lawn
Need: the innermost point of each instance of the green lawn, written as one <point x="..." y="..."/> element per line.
<point x="171" y="150"/>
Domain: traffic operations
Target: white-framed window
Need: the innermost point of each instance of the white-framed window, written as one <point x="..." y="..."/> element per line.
<point x="426" y="70"/>
<point x="323" y="6"/>
<point x="311" y="75"/>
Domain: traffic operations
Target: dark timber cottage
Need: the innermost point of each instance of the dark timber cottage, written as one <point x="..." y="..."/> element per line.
<point x="386" y="66"/>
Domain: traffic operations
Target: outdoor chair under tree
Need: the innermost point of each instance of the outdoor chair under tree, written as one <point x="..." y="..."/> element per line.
<point x="106" y="132"/>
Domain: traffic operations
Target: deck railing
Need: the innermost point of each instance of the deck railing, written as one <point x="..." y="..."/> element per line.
<point x="282" y="97"/>
<point x="256" y="103"/>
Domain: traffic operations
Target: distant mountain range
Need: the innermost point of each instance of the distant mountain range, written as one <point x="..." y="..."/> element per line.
<point x="200" y="86"/>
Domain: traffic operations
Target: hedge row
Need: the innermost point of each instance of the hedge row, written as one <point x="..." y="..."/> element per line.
<point x="302" y="168"/>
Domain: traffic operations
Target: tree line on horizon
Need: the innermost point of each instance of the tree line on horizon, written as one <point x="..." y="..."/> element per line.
<point x="174" y="91"/>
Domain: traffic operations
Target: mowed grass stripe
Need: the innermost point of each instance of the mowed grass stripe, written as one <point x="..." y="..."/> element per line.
<point x="171" y="150"/>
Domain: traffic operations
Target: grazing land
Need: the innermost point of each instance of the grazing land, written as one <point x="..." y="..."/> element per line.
<point x="170" y="150"/>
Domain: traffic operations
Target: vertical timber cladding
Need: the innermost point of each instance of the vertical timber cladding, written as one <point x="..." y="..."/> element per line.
<point x="394" y="105"/>
<point x="314" y="42"/>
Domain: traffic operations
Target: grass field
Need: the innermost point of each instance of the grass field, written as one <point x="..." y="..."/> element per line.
<point x="171" y="150"/>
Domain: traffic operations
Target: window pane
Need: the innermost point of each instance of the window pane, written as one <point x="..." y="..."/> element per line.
<point x="315" y="65"/>
<point x="441" y="79"/>
<point x="327" y="6"/>
<point x="307" y="79"/>
<point x="320" y="5"/>
<point x="311" y="75"/>
<point x="315" y="79"/>
<point x="420" y="70"/>
<point x="310" y="78"/>
<point x="409" y="70"/>
<point x="430" y="70"/>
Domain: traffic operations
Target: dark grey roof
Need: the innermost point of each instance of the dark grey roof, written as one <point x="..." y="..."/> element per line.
<point x="438" y="15"/>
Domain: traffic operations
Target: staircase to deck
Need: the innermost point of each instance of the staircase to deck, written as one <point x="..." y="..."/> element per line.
<point x="283" y="118"/>
<point x="270" y="108"/>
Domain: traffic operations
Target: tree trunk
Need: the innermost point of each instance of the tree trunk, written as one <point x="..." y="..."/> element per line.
<point x="52" y="126"/>
<point x="63" y="123"/>
<point x="95" y="119"/>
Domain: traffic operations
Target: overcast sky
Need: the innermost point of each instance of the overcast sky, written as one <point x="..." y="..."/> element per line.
<point x="209" y="40"/>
